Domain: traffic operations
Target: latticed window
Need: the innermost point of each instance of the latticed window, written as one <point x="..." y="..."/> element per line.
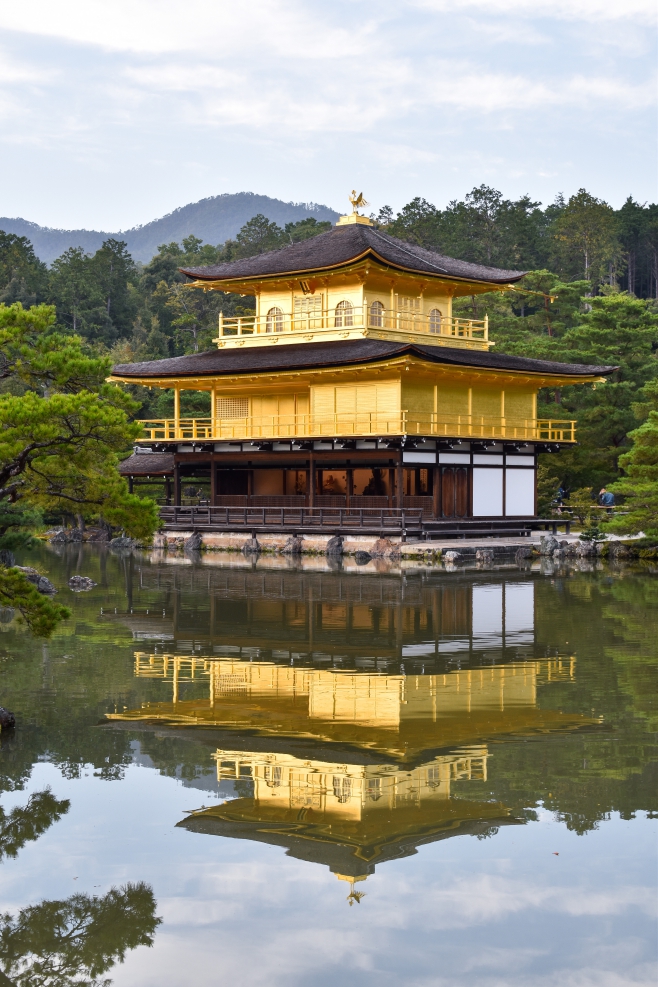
<point x="344" y="314"/>
<point x="273" y="776"/>
<point x="308" y="312"/>
<point x="409" y="308"/>
<point x="376" y="314"/>
<point x="232" y="407"/>
<point x="342" y="788"/>
<point x="308" y="303"/>
<point x="433" y="776"/>
<point x="435" y="320"/>
<point x="274" y="320"/>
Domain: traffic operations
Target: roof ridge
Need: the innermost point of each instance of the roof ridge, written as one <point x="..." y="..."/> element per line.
<point x="400" y="244"/>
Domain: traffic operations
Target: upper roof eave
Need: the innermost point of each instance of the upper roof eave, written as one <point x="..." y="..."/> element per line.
<point x="344" y="247"/>
<point x="369" y="252"/>
<point x="311" y="357"/>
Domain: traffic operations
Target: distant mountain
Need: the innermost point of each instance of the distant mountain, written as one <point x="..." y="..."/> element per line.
<point x="214" y="220"/>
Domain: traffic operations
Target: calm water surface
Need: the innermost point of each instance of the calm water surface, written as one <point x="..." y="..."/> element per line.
<point x="310" y="777"/>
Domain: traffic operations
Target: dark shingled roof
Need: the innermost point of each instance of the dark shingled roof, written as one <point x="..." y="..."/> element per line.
<point x="148" y="464"/>
<point x="296" y="356"/>
<point x="343" y="245"/>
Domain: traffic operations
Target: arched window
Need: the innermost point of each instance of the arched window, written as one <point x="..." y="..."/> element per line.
<point x="274" y="320"/>
<point x="374" y="789"/>
<point x="435" y="320"/>
<point x="344" y="316"/>
<point x="376" y="314"/>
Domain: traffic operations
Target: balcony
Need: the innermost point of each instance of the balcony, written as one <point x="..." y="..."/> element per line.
<point x="277" y="427"/>
<point x="356" y="320"/>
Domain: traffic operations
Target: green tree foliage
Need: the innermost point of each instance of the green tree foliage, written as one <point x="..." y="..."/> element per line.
<point x="637" y="230"/>
<point x="39" y="612"/>
<point x="618" y="330"/>
<point x="76" y="940"/>
<point x="257" y="236"/>
<point x="639" y="484"/>
<point x="93" y="294"/>
<point x="28" y="822"/>
<point x="585" y="239"/>
<point x="23" y="277"/>
<point x="63" y="427"/>
<point x="61" y="436"/>
<point x="548" y="485"/>
<point x="579" y="239"/>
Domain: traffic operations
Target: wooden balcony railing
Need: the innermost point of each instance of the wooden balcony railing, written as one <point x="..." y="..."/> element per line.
<point x="431" y="323"/>
<point x="357" y="425"/>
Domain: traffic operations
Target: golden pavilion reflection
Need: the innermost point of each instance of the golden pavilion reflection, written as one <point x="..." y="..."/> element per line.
<point x="349" y="816"/>
<point x="401" y="716"/>
<point x="350" y="769"/>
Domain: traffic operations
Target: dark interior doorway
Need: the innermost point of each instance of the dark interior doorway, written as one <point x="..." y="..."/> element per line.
<point x="232" y="482"/>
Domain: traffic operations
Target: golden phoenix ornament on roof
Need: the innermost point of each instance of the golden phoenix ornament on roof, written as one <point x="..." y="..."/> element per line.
<point x="358" y="201"/>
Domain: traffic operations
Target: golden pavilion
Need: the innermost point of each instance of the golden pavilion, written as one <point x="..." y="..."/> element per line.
<point x="354" y="387"/>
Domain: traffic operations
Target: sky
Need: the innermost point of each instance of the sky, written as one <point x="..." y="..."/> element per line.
<point x="115" y="112"/>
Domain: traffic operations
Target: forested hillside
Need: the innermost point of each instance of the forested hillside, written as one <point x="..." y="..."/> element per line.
<point x="590" y="297"/>
<point x="214" y="219"/>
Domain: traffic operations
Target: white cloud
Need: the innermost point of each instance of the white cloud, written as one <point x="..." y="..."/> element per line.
<point x="291" y="28"/>
<point x="568" y="10"/>
<point x="294" y="98"/>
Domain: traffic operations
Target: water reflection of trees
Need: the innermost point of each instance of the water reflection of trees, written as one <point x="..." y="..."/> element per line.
<point x="27" y="822"/>
<point x="76" y="940"/>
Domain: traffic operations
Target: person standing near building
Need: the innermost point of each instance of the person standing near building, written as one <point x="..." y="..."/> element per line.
<point x="606" y="499"/>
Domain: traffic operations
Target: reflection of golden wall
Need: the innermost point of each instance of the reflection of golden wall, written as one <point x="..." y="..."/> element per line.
<point x="364" y="697"/>
<point x="349" y="791"/>
<point x="402" y="716"/>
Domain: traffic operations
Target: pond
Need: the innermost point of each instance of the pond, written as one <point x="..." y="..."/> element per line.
<point x="269" y="773"/>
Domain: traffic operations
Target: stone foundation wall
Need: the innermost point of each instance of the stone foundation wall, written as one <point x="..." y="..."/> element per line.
<point x="229" y="541"/>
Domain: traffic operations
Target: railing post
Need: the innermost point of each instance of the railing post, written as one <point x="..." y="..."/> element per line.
<point x="221" y="323"/>
<point x="177" y="412"/>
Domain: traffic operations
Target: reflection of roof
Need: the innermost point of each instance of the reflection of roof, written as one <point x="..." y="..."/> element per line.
<point x="344" y="245"/>
<point x="148" y="464"/>
<point x="354" y="850"/>
<point x="406" y="743"/>
<point x="299" y="356"/>
<point x="393" y="714"/>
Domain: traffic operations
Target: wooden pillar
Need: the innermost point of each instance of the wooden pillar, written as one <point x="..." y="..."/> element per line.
<point x="175" y="680"/>
<point x="311" y="480"/>
<point x="213" y="481"/>
<point x="399" y="482"/>
<point x="131" y="484"/>
<point x="167" y="490"/>
<point x="436" y="491"/>
<point x="391" y="487"/>
<point x="213" y="412"/>
<point x="177" y="484"/>
<point x="349" y="486"/>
